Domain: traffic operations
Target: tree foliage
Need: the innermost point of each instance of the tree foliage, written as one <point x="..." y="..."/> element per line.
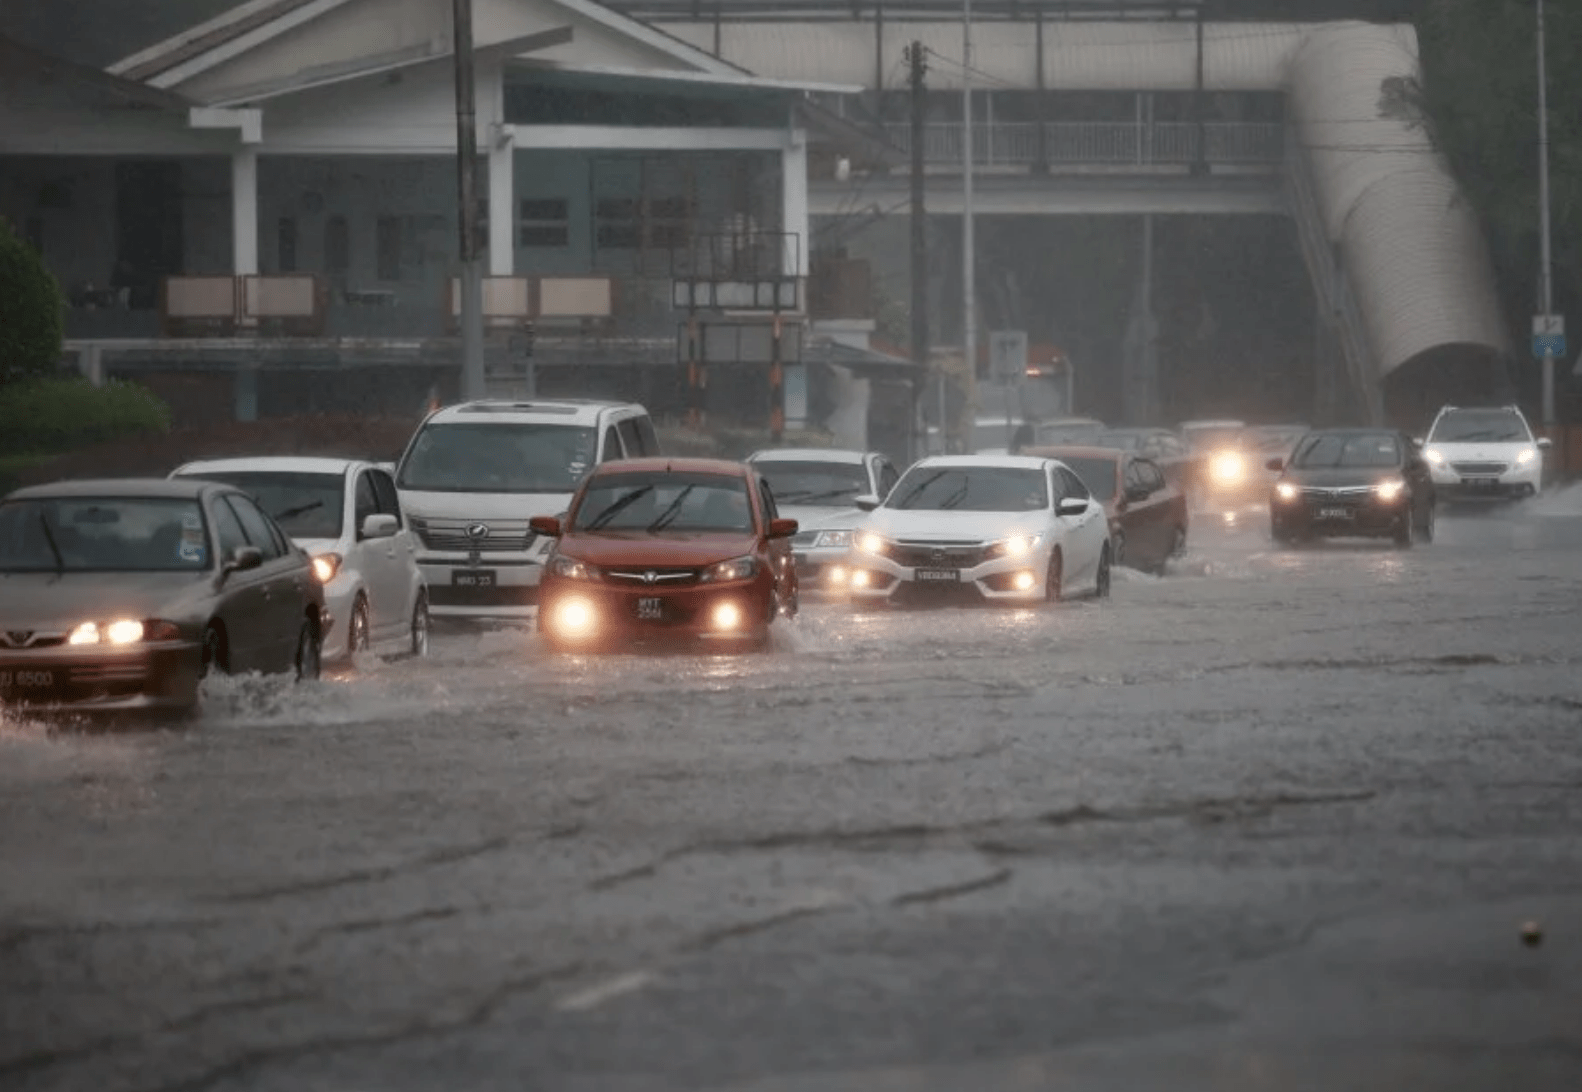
<point x="30" y="311"/>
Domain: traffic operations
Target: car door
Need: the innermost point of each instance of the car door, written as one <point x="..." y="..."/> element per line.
<point x="398" y="558"/>
<point x="779" y="549"/>
<point x="1086" y="534"/>
<point x="284" y="576"/>
<point x="1165" y="508"/>
<point x="242" y="606"/>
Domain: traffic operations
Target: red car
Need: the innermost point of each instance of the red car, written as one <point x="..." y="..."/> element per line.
<point x="1148" y="514"/>
<point x="667" y="549"/>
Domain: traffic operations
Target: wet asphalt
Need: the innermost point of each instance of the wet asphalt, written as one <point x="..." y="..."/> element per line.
<point x="1274" y="821"/>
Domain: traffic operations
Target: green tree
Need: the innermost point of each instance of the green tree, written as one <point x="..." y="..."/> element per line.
<point x="30" y="311"/>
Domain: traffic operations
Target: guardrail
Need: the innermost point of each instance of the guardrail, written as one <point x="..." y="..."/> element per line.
<point x="1099" y="143"/>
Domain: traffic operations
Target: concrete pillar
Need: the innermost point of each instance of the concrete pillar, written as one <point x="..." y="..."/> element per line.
<point x="244" y="211"/>
<point x="793" y="203"/>
<point x="502" y="205"/>
<point x="245" y="389"/>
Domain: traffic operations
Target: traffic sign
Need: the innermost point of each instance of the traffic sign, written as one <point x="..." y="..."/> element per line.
<point x="1008" y="355"/>
<point x="1549" y="336"/>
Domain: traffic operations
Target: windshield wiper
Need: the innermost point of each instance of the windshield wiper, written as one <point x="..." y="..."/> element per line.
<point x="298" y="510"/>
<point x="919" y="487"/>
<point x="54" y="547"/>
<point x="670" y="513"/>
<point x="803" y="498"/>
<point x="616" y="508"/>
<point x="957" y="497"/>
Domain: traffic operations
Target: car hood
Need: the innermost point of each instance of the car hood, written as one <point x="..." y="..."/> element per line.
<point x="1481" y="450"/>
<point x="636" y="548"/>
<point x="50" y="601"/>
<point x="314" y="546"/>
<point x="821" y="519"/>
<point x="483" y="506"/>
<point x="954" y="526"/>
<point x="1341" y="477"/>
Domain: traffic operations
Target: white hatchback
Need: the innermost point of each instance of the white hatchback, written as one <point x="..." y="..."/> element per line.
<point x="347" y="516"/>
<point x="1484" y="453"/>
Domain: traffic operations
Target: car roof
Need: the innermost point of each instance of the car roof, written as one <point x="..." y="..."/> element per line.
<point x="287" y="464"/>
<point x="807" y="454"/>
<point x="1214" y="423"/>
<point x="569" y="411"/>
<point x="1077" y="451"/>
<point x="178" y="488"/>
<point x="1007" y="462"/>
<point x="1356" y="430"/>
<point x="676" y="466"/>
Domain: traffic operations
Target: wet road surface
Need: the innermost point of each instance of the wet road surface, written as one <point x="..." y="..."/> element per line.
<point x="1273" y="821"/>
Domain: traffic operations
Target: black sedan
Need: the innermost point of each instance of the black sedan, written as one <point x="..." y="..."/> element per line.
<point x="1353" y="482"/>
<point x="122" y="594"/>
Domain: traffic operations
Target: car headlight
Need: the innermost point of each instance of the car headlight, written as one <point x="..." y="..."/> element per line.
<point x="834" y="538"/>
<point x="325" y="566"/>
<point x="1227" y="468"/>
<point x="1434" y="456"/>
<point x="1286" y="491"/>
<point x="1015" y="546"/>
<point x="871" y="543"/>
<point x="123" y="631"/>
<point x="1389" y="491"/>
<point x="737" y="568"/>
<point x="1526" y="456"/>
<point x="571" y="568"/>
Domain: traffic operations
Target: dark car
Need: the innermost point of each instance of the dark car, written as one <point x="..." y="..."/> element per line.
<point x="124" y="593"/>
<point x="666" y="549"/>
<point x="1353" y="482"/>
<point x="1147" y="513"/>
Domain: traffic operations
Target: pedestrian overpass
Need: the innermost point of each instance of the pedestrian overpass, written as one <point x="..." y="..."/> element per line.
<point x="1162" y="116"/>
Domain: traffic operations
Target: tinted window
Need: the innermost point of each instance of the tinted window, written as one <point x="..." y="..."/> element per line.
<point x="385" y="491"/>
<point x="228" y="529"/>
<point x="1479" y="425"/>
<point x="367" y="501"/>
<point x="1369" y="449"/>
<point x="255" y="525"/>
<point x="632" y="439"/>
<point x="102" y="534"/>
<point x="887" y="479"/>
<point x="498" y="458"/>
<point x="814" y="482"/>
<point x="1075" y="486"/>
<point x="971" y="489"/>
<point x="612" y="445"/>
<point x="645" y="429"/>
<point x="659" y="501"/>
<point x="305" y="505"/>
<point x="1097" y="474"/>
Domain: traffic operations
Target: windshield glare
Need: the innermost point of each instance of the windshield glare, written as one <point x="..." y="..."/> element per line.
<point x="103" y="534"/>
<point x="499" y="458"/>
<point x="970" y="489"/>
<point x="1487" y="426"/>
<point x="1097" y="474"/>
<point x="1374" y="450"/>
<point x="814" y="483"/>
<point x="305" y="505"/>
<point x="664" y="502"/>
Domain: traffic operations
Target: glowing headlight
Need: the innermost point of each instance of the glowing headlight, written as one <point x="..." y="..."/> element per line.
<point x="1526" y="456"/>
<point x="1228" y="468"/>
<point x="1389" y="491"/>
<point x="1015" y="546"/>
<point x="834" y="538"/>
<point x="325" y="566"/>
<point x="124" y="631"/>
<point x="738" y="568"/>
<point x="574" y="618"/>
<point x="572" y="569"/>
<point x="870" y="543"/>
<point x="1025" y="581"/>
<point x="1434" y="456"/>
<point x="727" y="616"/>
<point x="1286" y="491"/>
<point x="85" y="634"/>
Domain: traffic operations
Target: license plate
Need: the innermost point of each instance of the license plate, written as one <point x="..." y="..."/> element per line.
<point x="472" y="578"/>
<point x="939" y="576"/>
<point x="27" y="681"/>
<point x="1334" y="513"/>
<point x="1481" y="483"/>
<point x="650" y="608"/>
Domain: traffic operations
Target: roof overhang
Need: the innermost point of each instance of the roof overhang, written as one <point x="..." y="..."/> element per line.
<point x="672" y="78"/>
<point x="28" y="62"/>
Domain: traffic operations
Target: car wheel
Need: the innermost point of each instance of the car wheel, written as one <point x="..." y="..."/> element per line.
<point x="419" y="645"/>
<point x="1101" y="581"/>
<point x="1177" y="542"/>
<point x="357" y="627"/>
<point x="1052" y="578"/>
<point x="1405" y="531"/>
<point x="213" y="660"/>
<point x="1118" y="544"/>
<point x="309" y="653"/>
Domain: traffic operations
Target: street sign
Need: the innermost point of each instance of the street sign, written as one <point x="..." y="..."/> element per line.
<point x="1549" y="336"/>
<point x="1007" y="355"/>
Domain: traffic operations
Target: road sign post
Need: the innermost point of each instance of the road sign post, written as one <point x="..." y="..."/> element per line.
<point x="1549" y="337"/>
<point x="1007" y="364"/>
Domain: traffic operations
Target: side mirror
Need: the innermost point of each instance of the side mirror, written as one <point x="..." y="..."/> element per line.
<point x="1276" y="465"/>
<point x="867" y="502"/>
<point x="782" y="528"/>
<point x="380" y="525"/>
<point x="548" y="526"/>
<point x="1071" y="506"/>
<point x="1545" y="443"/>
<point x="243" y="558"/>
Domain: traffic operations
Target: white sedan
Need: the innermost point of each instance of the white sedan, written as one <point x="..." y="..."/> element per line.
<point x="346" y="515"/>
<point x="976" y="528"/>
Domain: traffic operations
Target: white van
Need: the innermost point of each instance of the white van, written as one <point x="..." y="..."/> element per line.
<point x="474" y="474"/>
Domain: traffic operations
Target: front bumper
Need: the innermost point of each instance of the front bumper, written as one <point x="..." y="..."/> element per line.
<point x="822" y="570"/>
<point x="1482" y="484"/>
<point x="1362" y="515"/>
<point x="161" y="675"/>
<point x="873" y="578"/>
<point x="623" y="615"/>
<point x="494" y="585"/>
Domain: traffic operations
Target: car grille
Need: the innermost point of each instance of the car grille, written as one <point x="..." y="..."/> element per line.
<point x="505" y="535"/>
<point x="1349" y="494"/>
<point x="950" y="555"/>
<point x="30" y="639"/>
<point x="659" y="578"/>
<point x="1480" y="468"/>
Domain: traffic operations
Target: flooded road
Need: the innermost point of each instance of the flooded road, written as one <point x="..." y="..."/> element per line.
<point x="1273" y="821"/>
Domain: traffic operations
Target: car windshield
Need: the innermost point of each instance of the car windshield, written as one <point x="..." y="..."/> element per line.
<point x="103" y="534"/>
<point x="813" y="482"/>
<point x="499" y="458"/>
<point x="1274" y="439"/>
<point x="1474" y="426"/>
<point x="306" y="505"/>
<point x="970" y="489"/>
<point x="1199" y="439"/>
<point x="1121" y="441"/>
<point x="664" y="501"/>
<point x="1060" y="433"/>
<point x="1348" y="450"/>
<point x="1096" y="473"/>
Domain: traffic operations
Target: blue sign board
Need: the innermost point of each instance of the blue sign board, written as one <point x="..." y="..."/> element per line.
<point x="1549" y="345"/>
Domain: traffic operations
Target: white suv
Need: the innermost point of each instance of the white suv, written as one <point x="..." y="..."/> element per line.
<point x="1484" y="453"/>
<point x="475" y="473"/>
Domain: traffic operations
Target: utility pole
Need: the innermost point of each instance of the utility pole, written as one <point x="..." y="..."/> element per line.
<point x="920" y="349"/>
<point x="472" y="380"/>
<point x="1545" y="276"/>
<point x="969" y="288"/>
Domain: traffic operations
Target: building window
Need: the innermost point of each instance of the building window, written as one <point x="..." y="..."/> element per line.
<point x="669" y="223"/>
<point x="659" y="224"/>
<point x="286" y="244"/>
<point x="619" y="224"/>
<point x="387" y="244"/>
<point x="544" y="222"/>
<point x="337" y="245"/>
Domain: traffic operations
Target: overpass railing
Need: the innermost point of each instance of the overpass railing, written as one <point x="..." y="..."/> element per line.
<point x="1099" y="143"/>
